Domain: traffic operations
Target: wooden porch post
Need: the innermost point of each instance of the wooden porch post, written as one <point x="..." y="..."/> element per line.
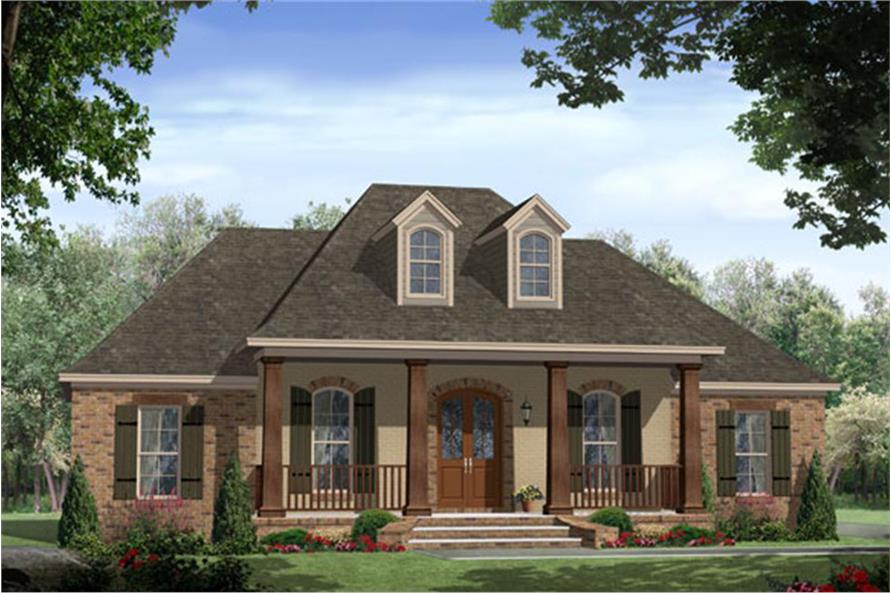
<point x="558" y="502"/>
<point x="417" y="502"/>
<point x="271" y="501"/>
<point x="691" y="439"/>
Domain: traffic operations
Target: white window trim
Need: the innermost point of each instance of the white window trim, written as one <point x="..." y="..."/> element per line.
<point x="447" y="252"/>
<point x="443" y="243"/>
<point x="556" y="268"/>
<point x="765" y="454"/>
<point x="140" y="454"/>
<point x="618" y="407"/>
<point x="550" y="265"/>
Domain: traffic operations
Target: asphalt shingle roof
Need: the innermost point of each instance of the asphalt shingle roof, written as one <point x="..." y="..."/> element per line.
<point x="258" y="282"/>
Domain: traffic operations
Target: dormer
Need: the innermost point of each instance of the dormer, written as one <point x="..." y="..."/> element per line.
<point x="423" y="235"/>
<point x="531" y="237"/>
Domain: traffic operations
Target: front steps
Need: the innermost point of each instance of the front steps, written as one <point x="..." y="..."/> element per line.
<point x="509" y="530"/>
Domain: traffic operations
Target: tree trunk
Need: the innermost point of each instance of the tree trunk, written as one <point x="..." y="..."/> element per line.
<point x="37" y="489"/>
<point x="63" y="489"/>
<point x="51" y="486"/>
<point x="11" y="13"/>
<point x="833" y="478"/>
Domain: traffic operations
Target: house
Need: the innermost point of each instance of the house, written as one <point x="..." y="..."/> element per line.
<point x="435" y="351"/>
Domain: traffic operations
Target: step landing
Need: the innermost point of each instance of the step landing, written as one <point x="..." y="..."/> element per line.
<point x="490" y="531"/>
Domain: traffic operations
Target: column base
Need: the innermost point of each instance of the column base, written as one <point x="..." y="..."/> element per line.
<point x="417" y="511"/>
<point x="556" y="510"/>
<point x="271" y="512"/>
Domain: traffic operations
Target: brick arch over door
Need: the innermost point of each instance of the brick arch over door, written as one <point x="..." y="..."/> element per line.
<point x="604" y="384"/>
<point x="507" y="432"/>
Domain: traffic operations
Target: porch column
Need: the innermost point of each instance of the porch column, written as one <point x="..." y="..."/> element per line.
<point x="558" y="502"/>
<point x="417" y="502"/>
<point x="691" y="439"/>
<point x="271" y="505"/>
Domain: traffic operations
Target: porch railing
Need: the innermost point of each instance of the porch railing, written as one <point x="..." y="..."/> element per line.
<point x="340" y="487"/>
<point x="625" y="486"/>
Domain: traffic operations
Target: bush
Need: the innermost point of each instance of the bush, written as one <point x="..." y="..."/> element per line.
<point x="370" y="521"/>
<point x="613" y="517"/>
<point x="165" y="539"/>
<point x="287" y="537"/>
<point x="91" y="546"/>
<point x="708" y="490"/>
<point x="772" y="531"/>
<point x="816" y="515"/>
<point x="140" y="572"/>
<point x="79" y="515"/>
<point x="682" y="535"/>
<point x="233" y="529"/>
<point x="745" y="525"/>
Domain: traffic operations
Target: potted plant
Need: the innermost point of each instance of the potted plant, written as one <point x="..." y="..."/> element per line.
<point x="526" y="495"/>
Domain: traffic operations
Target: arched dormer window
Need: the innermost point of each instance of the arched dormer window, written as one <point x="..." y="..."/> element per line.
<point x="425" y="263"/>
<point x="600" y="438"/>
<point x="535" y="266"/>
<point x="332" y="428"/>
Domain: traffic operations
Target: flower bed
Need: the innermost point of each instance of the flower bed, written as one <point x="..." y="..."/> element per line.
<point x="315" y="543"/>
<point x="848" y="578"/>
<point x="677" y="536"/>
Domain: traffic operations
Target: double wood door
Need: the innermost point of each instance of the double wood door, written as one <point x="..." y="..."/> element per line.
<point x="469" y="450"/>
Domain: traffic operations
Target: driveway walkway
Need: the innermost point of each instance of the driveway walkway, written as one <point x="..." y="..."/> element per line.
<point x="863" y="530"/>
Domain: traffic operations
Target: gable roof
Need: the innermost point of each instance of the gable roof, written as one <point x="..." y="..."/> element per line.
<point x="196" y="323"/>
<point x="306" y="284"/>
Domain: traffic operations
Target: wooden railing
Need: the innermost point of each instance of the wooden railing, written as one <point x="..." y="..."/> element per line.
<point x="625" y="486"/>
<point x="342" y="487"/>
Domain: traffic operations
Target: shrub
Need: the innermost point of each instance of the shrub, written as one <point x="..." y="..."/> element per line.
<point x="158" y="527"/>
<point x="771" y="531"/>
<point x="141" y="572"/>
<point x="91" y="546"/>
<point x="708" y="490"/>
<point x="816" y="515"/>
<point x="287" y="537"/>
<point x="613" y="517"/>
<point x="528" y="492"/>
<point x="79" y="515"/>
<point x="678" y="536"/>
<point x="233" y="529"/>
<point x="370" y="521"/>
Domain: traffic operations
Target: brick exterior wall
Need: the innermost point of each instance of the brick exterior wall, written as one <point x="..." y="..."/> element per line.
<point x="230" y="422"/>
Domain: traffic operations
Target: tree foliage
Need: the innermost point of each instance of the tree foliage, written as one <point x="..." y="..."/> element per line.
<point x="233" y="528"/>
<point x="79" y="516"/>
<point x="320" y="217"/>
<point x="816" y="515"/>
<point x="820" y="69"/>
<point x="857" y="432"/>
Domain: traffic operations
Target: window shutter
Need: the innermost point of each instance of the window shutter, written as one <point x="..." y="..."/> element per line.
<point x="299" y="476"/>
<point x="781" y="453"/>
<point x="725" y="425"/>
<point x="574" y="420"/>
<point x="192" y="452"/>
<point x="363" y="425"/>
<point x="631" y="433"/>
<point x="125" y="452"/>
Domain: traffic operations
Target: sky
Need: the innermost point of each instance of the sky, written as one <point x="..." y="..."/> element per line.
<point x="298" y="102"/>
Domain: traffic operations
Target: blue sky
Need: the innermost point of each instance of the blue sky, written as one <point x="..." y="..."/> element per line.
<point x="300" y="102"/>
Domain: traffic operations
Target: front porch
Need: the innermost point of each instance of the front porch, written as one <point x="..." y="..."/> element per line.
<point x="472" y="477"/>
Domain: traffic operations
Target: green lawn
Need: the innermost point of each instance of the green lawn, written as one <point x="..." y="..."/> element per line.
<point x="843" y="540"/>
<point x="29" y="529"/>
<point x="416" y="572"/>
<point x="863" y="516"/>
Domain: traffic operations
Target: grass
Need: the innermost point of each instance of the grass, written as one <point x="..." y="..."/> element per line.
<point x="866" y="516"/>
<point x="416" y="572"/>
<point x="29" y="529"/>
<point x="843" y="540"/>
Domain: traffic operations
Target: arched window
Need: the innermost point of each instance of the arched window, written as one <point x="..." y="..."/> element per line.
<point x="332" y="425"/>
<point x="601" y="428"/>
<point x="425" y="262"/>
<point x="535" y="266"/>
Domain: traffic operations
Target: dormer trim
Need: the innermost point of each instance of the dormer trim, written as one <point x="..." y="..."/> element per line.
<point x="522" y="213"/>
<point x="406" y="214"/>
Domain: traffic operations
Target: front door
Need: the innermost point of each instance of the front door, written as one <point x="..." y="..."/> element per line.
<point x="469" y="450"/>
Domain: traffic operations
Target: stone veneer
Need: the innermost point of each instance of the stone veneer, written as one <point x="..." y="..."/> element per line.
<point x="230" y="422"/>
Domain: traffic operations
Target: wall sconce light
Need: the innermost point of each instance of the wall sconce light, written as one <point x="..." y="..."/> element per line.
<point x="526" y="409"/>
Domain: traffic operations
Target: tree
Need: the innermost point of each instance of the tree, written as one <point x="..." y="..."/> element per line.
<point x="857" y="435"/>
<point x="321" y="216"/>
<point x="865" y="357"/>
<point x="233" y="529"/>
<point x="822" y="109"/>
<point x="79" y="517"/>
<point x="748" y="291"/>
<point x="165" y="233"/>
<point x="659" y="257"/>
<point x="816" y="515"/>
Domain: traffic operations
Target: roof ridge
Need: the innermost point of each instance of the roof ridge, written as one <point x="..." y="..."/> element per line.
<point x="268" y="229"/>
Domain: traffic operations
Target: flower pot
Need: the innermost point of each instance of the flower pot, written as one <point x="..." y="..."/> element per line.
<point x="527" y="505"/>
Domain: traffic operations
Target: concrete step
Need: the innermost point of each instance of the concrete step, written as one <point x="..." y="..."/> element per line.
<point x="494" y="542"/>
<point x="490" y="531"/>
<point x="486" y="520"/>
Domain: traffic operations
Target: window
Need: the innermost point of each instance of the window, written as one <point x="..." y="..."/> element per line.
<point x="601" y="435"/>
<point x="158" y="462"/>
<point x="331" y="429"/>
<point x="751" y="452"/>
<point x="535" y="266"/>
<point x="425" y="263"/>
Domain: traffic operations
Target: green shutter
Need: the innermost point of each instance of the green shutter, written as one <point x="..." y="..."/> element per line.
<point x="125" y="452"/>
<point x="631" y="433"/>
<point x="363" y="440"/>
<point x="781" y="453"/>
<point x="299" y="478"/>
<point x="192" y="468"/>
<point x="574" y="420"/>
<point x="725" y="426"/>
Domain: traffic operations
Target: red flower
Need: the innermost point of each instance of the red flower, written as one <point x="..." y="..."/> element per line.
<point x="137" y="564"/>
<point x="867" y="587"/>
<point x="860" y="576"/>
<point x="400" y="548"/>
<point x="828" y="588"/>
<point x="153" y="558"/>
